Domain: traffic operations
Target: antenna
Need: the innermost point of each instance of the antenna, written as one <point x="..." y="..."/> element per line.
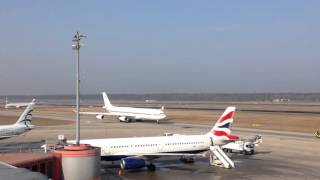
<point x="76" y="39"/>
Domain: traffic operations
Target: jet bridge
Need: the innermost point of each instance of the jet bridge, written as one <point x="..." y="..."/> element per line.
<point x="219" y="158"/>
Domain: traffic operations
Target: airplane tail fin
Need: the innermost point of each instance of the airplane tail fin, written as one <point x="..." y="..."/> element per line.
<point x="6" y="105"/>
<point x="222" y="128"/>
<point x="107" y="103"/>
<point x="26" y="116"/>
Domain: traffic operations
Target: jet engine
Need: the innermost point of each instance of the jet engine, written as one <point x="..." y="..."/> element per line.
<point x="100" y="116"/>
<point x="124" y="119"/>
<point x="132" y="163"/>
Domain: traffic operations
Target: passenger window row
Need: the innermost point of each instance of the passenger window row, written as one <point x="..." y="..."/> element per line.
<point x="142" y="145"/>
<point x="150" y="145"/>
<point x="168" y="144"/>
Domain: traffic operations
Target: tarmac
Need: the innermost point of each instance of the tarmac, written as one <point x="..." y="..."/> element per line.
<point x="282" y="155"/>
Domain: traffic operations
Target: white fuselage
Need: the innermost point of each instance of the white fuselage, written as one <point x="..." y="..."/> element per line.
<point x="147" y="145"/>
<point x="17" y="105"/>
<point x="137" y="113"/>
<point x="7" y="131"/>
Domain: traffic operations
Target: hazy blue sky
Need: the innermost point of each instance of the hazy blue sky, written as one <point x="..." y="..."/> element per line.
<point x="160" y="46"/>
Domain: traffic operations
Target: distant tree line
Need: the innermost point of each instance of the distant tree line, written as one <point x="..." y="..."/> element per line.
<point x="308" y="97"/>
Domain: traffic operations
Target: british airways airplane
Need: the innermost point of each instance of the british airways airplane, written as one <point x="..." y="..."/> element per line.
<point x="22" y="125"/>
<point x="128" y="114"/>
<point x="139" y="152"/>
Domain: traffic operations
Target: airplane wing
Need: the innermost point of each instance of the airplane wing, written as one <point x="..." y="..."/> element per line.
<point x="151" y="156"/>
<point x="161" y="154"/>
<point x="130" y="116"/>
<point x="6" y="137"/>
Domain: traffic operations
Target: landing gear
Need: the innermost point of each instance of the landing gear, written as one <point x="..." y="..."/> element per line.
<point x="157" y="121"/>
<point x="249" y="152"/>
<point x="151" y="167"/>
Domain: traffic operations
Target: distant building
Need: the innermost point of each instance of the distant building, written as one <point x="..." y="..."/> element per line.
<point x="150" y="100"/>
<point x="278" y="100"/>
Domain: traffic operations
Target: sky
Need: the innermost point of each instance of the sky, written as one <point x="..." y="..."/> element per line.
<point x="167" y="46"/>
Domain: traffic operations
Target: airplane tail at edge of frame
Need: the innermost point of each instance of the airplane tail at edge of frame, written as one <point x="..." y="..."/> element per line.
<point x="26" y="116"/>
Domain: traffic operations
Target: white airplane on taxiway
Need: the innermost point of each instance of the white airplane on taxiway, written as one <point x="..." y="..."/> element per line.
<point x="128" y="114"/>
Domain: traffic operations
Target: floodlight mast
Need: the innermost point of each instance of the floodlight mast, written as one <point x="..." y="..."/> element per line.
<point x="76" y="39"/>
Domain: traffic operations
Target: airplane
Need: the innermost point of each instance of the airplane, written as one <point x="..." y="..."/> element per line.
<point x="17" y="105"/>
<point x="22" y="125"/>
<point x="128" y="114"/>
<point x="139" y="152"/>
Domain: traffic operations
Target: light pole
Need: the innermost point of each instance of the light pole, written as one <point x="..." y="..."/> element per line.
<point x="76" y="39"/>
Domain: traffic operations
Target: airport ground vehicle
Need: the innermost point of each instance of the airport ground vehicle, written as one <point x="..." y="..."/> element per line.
<point x="241" y="146"/>
<point x="245" y="146"/>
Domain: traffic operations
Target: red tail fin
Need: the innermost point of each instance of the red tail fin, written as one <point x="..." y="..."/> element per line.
<point x="223" y="125"/>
